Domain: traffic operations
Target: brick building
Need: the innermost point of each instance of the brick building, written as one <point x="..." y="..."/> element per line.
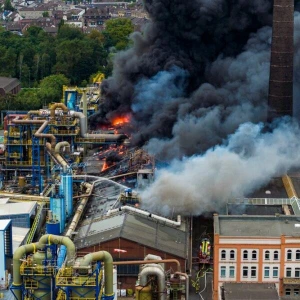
<point x="257" y="249"/>
<point x="136" y="236"/>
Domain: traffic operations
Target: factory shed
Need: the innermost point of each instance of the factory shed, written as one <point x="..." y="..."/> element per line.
<point x="9" y="85"/>
<point x="132" y="237"/>
<point x="249" y="291"/>
<point x="19" y="213"/>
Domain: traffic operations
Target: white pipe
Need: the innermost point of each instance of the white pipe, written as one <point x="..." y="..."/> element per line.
<point x="84" y="134"/>
<point x="147" y="214"/>
<point x="187" y="285"/>
<point x="154" y="257"/>
<point x="154" y="270"/>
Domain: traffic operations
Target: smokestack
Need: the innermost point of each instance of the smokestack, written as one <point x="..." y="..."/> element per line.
<point x="280" y="99"/>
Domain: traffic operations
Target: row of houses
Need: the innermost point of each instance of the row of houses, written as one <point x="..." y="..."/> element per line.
<point x="49" y="15"/>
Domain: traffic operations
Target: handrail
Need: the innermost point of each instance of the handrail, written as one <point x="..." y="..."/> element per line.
<point x="35" y="224"/>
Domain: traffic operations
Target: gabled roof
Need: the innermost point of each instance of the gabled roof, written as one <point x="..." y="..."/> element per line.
<point x="139" y="229"/>
<point x="8" y="84"/>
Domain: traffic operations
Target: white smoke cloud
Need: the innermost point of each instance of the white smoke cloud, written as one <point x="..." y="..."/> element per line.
<point x="241" y="164"/>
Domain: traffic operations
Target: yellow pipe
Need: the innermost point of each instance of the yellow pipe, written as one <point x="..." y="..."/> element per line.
<point x="80" y="209"/>
<point x="57" y="105"/>
<point x="108" y="267"/>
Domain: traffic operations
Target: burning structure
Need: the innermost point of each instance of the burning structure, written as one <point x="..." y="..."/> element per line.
<point x="197" y="92"/>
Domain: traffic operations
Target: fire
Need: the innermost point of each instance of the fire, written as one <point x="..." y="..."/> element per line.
<point x="120" y="120"/>
<point x="104" y="167"/>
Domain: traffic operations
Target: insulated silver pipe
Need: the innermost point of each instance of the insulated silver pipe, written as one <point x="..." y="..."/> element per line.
<point x="147" y="214"/>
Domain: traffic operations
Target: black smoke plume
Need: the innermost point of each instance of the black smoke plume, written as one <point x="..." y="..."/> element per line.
<point x="196" y="59"/>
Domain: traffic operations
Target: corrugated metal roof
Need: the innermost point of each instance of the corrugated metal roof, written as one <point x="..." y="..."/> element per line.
<point x="135" y="228"/>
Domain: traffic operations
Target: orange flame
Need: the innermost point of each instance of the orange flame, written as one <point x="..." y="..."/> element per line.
<point x="104" y="167"/>
<point x="120" y="120"/>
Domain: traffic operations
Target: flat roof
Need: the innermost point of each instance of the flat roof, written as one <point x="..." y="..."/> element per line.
<point x="4" y="200"/>
<point x="18" y="208"/>
<point x="252" y="226"/>
<point x="250" y="209"/>
<point x="4" y="224"/>
<point x="274" y="189"/>
<point x="250" y="291"/>
<point x="18" y="235"/>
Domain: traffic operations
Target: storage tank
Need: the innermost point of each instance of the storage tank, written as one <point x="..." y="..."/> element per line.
<point x="44" y="281"/>
<point x="57" y="207"/>
<point x="53" y="227"/>
<point x="143" y="292"/>
<point x="83" y="290"/>
<point x="22" y="181"/>
<point x="115" y="283"/>
<point x="66" y="188"/>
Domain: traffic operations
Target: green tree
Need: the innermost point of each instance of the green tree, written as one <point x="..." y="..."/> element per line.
<point x="51" y="88"/>
<point x="66" y="32"/>
<point x="8" y="6"/>
<point x="46" y="14"/>
<point x="117" y="33"/>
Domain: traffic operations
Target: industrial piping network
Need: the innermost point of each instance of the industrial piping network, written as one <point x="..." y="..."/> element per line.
<point x="71" y="251"/>
<point x="82" y="121"/>
<point x="151" y="260"/>
<point x="31" y="248"/>
<point x="147" y="214"/>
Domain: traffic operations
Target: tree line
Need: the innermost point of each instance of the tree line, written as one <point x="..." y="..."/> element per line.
<point x="43" y="63"/>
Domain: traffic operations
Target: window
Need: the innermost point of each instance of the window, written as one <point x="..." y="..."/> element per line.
<point x="297" y="272"/>
<point x="296" y="292"/>
<point x="267" y="255"/>
<point x="223" y="271"/>
<point x="223" y="255"/>
<point x="232" y="254"/>
<point x="275" y="272"/>
<point x="288" y="272"/>
<point x="253" y="272"/>
<point x="289" y="255"/>
<point x="275" y="256"/>
<point x="245" y="254"/>
<point x="254" y="254"/>
<point x="245" y="272"/>
<point x="298" y="255"/>
<point x="231" y="271"/>
<point x="287" y="292"/>
<point x="266" y="272"/>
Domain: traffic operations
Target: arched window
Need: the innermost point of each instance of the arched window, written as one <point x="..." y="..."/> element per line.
<point x="289" y="255"/>
<point x="232" y="254"/>
<point x="245" y="254"/>
<point x="297" y="254"/>
<point x="275" y="256"/>
<point x="254" y="254"/>
<point x="223" y="254"/>
<point x="267" y="255"/>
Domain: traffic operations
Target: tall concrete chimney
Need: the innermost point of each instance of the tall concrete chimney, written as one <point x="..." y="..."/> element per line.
<point x="280" y="99"/>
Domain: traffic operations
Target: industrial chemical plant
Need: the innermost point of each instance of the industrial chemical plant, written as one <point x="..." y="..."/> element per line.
<point x="73" y="225"/>
<point x="74" y="217"/>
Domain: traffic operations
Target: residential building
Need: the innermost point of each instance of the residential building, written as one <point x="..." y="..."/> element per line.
<point x="257" y="249"/>
<point x="9" y="85"/>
